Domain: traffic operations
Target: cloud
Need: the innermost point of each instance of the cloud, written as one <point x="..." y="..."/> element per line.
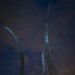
<point x="67" y="70"/>
<point x="9" y="61"/>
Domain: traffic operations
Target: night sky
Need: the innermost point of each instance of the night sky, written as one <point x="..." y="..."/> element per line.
<point x="27" y="19"/>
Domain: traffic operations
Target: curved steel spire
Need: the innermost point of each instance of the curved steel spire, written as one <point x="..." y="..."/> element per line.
<point x="22" y="63"/>
<point x="43" y="64"/>
<point x="47" y="51"/>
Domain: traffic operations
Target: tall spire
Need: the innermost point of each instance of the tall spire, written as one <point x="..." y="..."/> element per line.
<point x="43" y="64"/>
<point x="22" y="60"/>
<point x="47" y="51"/>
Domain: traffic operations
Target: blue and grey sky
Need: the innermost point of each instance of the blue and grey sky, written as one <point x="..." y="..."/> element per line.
<point x="27" y="19"/>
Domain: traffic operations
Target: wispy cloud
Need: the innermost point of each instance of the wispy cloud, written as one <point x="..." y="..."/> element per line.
<point x="67" y="70"/>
